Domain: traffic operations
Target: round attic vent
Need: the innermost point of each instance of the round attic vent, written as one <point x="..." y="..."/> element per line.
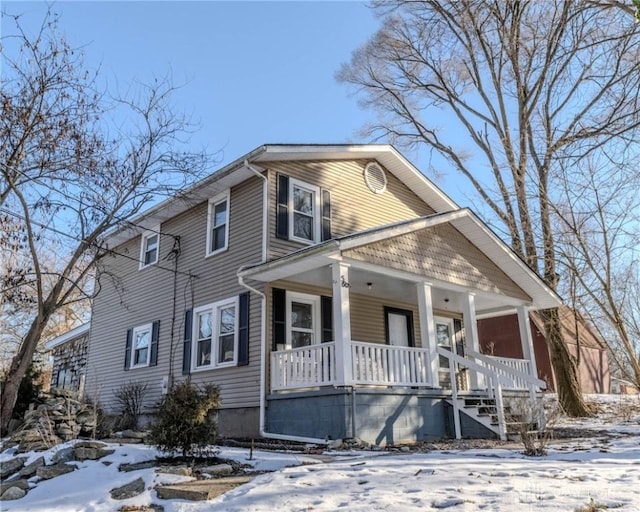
<point x="375" y="178"/>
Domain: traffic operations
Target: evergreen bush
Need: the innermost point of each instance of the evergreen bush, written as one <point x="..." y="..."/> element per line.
<point x="185" y="424"/>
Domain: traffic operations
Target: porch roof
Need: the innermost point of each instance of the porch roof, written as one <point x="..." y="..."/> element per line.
<point x="464" y="220"/>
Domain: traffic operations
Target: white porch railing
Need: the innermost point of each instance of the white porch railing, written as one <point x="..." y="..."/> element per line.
<point x="304" y="367"/>
<point x="377" y="364"/>
<point x="521" y="366"/>
<point x="384" y="365"/>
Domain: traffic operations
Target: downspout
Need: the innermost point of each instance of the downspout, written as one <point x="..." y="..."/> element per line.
<point x="263" y="321"/>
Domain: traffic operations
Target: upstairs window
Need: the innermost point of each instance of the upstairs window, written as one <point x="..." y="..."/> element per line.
<point x="150" y="248"/>
<point x="303" y="211"/>
<point x="218" y="224"/>
<point x="141" y="346"/>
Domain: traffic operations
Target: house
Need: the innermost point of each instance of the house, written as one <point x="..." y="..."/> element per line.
<point x="495" y="335"/>
<point x="623" y="387"/>
<point x="330" y="291"/>
<point x="69" y="358"/>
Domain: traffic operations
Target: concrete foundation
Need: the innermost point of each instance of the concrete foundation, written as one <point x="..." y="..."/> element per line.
<point x="377" y="416"/>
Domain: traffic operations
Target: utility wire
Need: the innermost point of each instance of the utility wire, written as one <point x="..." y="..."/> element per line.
<point x="93" y="244"/>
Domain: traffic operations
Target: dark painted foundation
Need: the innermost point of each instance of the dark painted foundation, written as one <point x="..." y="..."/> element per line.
<point x="377" y="416"/>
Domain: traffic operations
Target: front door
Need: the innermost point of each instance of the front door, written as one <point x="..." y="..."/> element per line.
<point x="399" y="327"/>
<point x="445" y="337"/>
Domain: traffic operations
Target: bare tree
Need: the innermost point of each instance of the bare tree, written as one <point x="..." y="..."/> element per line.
<point x="74" y="164"/>
<point x="503" y="91"/>
<point x="598" y="214"/>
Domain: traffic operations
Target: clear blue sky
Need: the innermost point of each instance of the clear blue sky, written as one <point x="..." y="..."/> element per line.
<point x="254" y="72"/>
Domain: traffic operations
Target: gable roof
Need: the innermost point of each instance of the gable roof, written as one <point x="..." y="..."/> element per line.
<point x="236" y="172"/>
<point x="68" y="336"/>
<point x="464" y="220"/>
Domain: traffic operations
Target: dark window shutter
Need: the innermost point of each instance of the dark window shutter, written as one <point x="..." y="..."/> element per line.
<point x="155" y="332"/>
<point x="243" y="330"/>
<point x="459" y="338"/>
<point x="282" y="207"/>
<point x="127" y="350"/>
<point x="279" y="317"/>
<point x="326" y="311"/>
<point x="326" y="215"/>
<point x="186" y="345"/>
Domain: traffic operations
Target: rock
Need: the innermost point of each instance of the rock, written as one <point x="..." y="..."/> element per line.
<point x="30" y="469"/>
<point x="21" y="484"/>
<point x="447" y="502"/>
<point x="405" y="449"/>
<point x="175" y="470"/>
<point x="63" y="455"/>
<point x="128" y="491"/>
<point x="134" y="434"/>
<point x="90" y="451"/>
<point x="334" y="444"/>
<point x="200" y="490"/>
<point x="218" y="469"/>
<point x="48" y="472"/>
<point x="126" y="467"/>
<point x="13" y="493"/>
<point x="11" y="466"/>
<point x="142" y="508"/>
<point x="65" y="393"/>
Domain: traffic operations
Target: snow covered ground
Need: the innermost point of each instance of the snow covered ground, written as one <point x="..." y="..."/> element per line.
<point x="602" y="470"/>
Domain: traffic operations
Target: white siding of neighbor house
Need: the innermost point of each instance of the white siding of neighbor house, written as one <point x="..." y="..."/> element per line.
<point x="138" y="297"/>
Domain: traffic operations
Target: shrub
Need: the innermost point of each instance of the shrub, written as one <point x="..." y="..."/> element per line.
<point x="185" y="424"/>
<point x="28" y="392"/>
<point x="129" y="397"/>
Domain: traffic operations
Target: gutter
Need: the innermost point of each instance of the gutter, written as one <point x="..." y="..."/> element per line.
<point x="265" y="204"/>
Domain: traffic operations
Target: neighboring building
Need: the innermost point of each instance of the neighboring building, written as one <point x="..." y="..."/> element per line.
<point x="329" y="291"/>
<point x="496" y="336"/>
<point x="69" y="354"/>
<point x="623" y="387"/>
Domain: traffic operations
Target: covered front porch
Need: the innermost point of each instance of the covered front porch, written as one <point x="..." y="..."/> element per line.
<point x="352" y="318"/>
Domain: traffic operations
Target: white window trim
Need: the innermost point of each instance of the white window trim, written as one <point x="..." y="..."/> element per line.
<point x="213" y="202"/>
<point x="214" y="310"/>
<point x="317" y="216"/>
<point x="145" y="327"/>
<point x="305" y="298"/>
<point x="143" y="246"/>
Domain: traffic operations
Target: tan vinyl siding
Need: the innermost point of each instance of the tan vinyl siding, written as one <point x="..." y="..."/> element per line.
<point x="443" y="253"/>
<point x="367" y="312"/>
<point x="138" y="297"/>
<point x="353" y="206"/>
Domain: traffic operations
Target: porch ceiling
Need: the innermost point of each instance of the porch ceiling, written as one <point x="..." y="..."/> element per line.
<point x="395" y="288"/>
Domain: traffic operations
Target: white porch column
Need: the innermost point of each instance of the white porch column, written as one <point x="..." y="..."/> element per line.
<point x="471" y="335"/>
<point x="428" y="330"/>
<point x="342" y="322"/>
<point x="526" y="339"/>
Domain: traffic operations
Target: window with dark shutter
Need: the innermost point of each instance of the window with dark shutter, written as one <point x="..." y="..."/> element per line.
<point x="186" y="345"/>
<point x="279" y="298"/>
<point x="243" y="329"/>
<point x="127" y="350"/>
<point x="282" y="206"/>
<point x="326" y="215"/>
<point x="326" y="308"/>
<point x="155" y="333"/>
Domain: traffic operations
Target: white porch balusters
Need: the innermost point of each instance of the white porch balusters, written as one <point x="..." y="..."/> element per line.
<point x="428" y="330"/>
<point x="342" y="322"/>
<point x="471" y="336"/>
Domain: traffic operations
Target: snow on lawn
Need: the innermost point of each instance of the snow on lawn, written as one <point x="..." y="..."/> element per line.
<point x="599" y="470"/>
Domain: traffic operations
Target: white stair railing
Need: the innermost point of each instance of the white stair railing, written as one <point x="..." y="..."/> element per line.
<point x="495" y="383"/>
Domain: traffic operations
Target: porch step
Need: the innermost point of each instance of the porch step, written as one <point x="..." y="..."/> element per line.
<point x="484" y="411"/>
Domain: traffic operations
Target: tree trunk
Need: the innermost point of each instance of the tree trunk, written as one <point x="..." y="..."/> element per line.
<point x="564" y="367"/>
<point x="18" y="369"/>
